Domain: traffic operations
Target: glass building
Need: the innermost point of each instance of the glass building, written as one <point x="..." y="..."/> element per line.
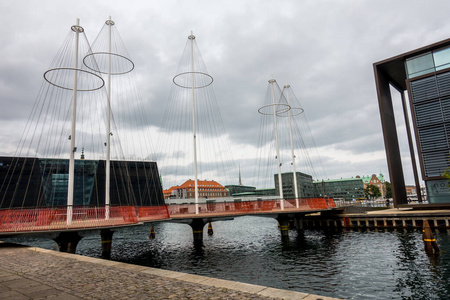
<point x="347" y="188"/>
<point x="424" y="74"/>
<point x="43" y="182"/>
<point x="305" y="186"/>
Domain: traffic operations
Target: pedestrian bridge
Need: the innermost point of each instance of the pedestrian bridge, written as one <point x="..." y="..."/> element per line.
<point x="32" y="220"/>
<point x="68" y="225"/>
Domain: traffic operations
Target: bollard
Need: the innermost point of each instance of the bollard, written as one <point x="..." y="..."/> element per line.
<point x="210" y="230"/>
<point x="431" y="247"/>
<point x="152" y="233"/>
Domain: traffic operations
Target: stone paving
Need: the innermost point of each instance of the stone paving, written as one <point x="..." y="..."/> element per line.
<point x="35" y="273"/>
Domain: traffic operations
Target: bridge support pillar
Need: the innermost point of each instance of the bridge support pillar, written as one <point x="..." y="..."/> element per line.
<point x="197" y="229"/>
<point x="106" y="235"/>
<point x="68" y="241"/>
<point x="283" y="222"/>
<point x="298" y="223"/>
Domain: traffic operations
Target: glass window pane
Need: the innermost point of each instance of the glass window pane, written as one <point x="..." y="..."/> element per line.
<point x="442" y="59"/>
<point x="420" y="65"/>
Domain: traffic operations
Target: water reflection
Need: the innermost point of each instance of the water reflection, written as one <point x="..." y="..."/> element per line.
<point x="345" y="264"/>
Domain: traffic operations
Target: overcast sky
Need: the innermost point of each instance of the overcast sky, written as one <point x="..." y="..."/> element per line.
<point x="324" y="49"/>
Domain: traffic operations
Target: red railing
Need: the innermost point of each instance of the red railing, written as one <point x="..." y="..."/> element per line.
<point x="246" y="207"/>
<point x="44" y="219"/>
<point x="151" y="213"/>
<point x="47" y="219"/>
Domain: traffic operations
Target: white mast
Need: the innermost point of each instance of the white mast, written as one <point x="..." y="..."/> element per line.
<point x="110" y="23"/>
<point x="192" y="37"/>
<point x="280" y="182"/>
<point x="77" y="29"/>
<point x="292" y="147"/>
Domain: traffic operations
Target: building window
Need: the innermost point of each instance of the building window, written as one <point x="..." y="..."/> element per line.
<point x="428" y="63"/>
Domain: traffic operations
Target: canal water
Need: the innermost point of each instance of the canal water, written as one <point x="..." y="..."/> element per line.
<point x="353" y="264"/>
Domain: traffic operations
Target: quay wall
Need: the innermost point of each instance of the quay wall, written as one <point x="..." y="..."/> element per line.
<point x="388" y="218"/>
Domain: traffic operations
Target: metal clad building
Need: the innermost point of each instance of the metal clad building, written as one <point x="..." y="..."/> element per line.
<point x="425" y="75"/>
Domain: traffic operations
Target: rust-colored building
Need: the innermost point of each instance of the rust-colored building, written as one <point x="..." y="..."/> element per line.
<point x="206" y="189"/>
<point x="375" y="180"/>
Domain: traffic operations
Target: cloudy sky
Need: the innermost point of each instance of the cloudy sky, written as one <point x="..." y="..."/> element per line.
<point x="323" y="49"/>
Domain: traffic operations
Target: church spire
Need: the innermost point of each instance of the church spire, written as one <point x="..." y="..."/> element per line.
<point x="240" y="179"/>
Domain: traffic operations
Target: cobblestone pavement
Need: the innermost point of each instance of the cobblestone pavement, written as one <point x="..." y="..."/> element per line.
<point x="34" y="273"/>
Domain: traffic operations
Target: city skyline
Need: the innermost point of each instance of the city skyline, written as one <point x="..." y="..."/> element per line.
<point x="325" y="51"/>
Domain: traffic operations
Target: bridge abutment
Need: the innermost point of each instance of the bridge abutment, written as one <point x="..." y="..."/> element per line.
<point x="68" y="241"/>
<point x="106" y="235"/>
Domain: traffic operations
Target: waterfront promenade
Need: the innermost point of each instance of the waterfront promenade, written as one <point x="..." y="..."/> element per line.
<point x="36" y="273"/>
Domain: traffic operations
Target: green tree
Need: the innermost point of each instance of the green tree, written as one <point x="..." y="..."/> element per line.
<point x="388" y="189"/>
<point x="372" y="191"/>
<point x="447" y="175"/>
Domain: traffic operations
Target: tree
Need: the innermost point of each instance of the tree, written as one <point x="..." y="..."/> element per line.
<point x="388" y="189"/>
<point x="372" y="191"/>
<point x="447" y="175"/>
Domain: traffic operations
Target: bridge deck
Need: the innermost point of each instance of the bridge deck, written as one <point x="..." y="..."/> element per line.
<point x="83" y="218"/>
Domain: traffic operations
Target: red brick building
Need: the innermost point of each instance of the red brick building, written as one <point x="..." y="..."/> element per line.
<point x="206" y="189"/>
<point x="375" y="180"/>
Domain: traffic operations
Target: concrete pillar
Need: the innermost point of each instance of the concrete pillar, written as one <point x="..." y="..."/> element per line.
<point x="197" y="229"/>
<point x="67" y="241"/>
<point x="106" y="236"/>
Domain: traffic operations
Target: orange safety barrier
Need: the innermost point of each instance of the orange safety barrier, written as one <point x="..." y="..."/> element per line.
<point x="330" y="203"/>
<point x="151" y="213"/>
<point x="246" y="207"/>
<point x="46" y="219"/>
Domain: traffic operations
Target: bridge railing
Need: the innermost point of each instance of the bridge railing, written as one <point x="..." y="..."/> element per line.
<point x="254" y="206"/>
<point x="152" y="213"/>
<point x="47" y="219"/>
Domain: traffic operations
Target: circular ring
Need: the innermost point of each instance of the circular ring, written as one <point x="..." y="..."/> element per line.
<point x="207" y="76"/>
<point x="106" y="72"/>
<point x="295" y="111"/>
<point x="100" y="85"/>
<point x="284" y="108"/>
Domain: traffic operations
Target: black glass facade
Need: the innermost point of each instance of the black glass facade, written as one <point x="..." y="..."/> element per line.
<point x="34" y="182"/>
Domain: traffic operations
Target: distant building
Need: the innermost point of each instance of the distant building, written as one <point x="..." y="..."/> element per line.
<point x="206" y="189"/>
<point x="424" y="74"/>
<point x="265" y="192"/>
<point x="375" y="180"/>
<point x="240" y="189"/>
<point x="305" y="185"/>
<point x="410" y="190"/>
<point x="347" y="188"/>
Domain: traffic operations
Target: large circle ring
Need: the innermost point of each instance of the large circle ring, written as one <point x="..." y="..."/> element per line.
<point x="69" y="84"/>
<point x="280" y="108"/>
<point x="130" y="64"/>
<point x="178" y="79"/>
<point x="295" y="111"/>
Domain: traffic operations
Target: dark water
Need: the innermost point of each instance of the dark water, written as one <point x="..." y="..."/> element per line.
<point x="343" y="264"/>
